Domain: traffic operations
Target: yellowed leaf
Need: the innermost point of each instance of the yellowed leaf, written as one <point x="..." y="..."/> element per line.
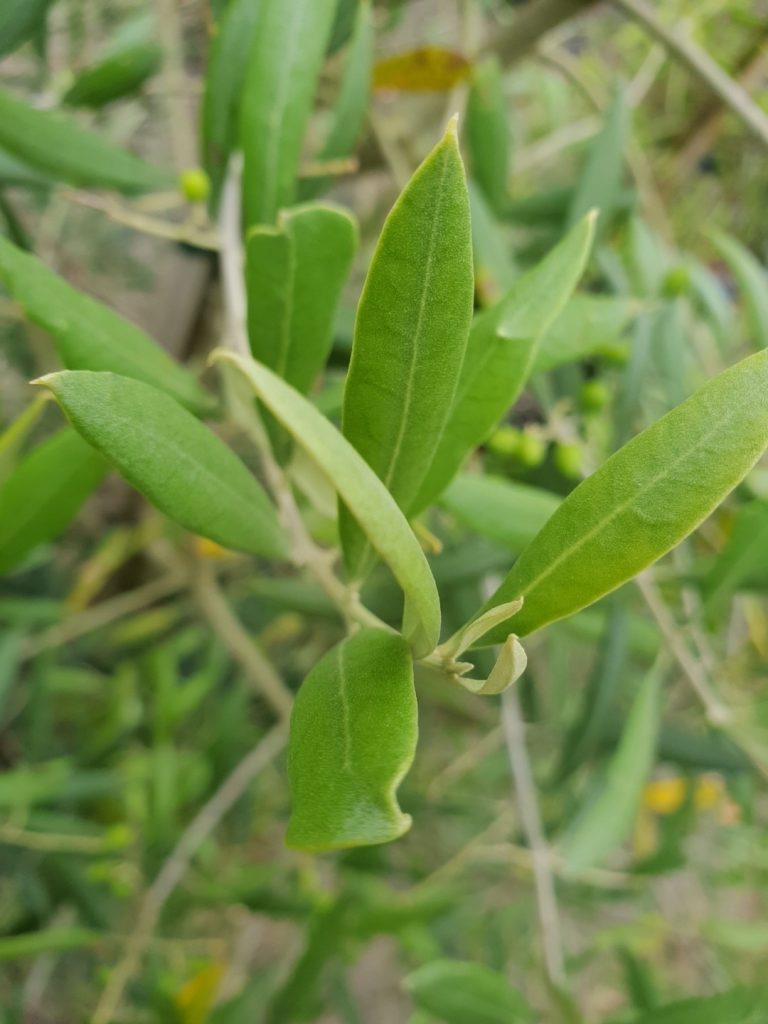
<point x="194" y="1000"/>
<point x="426" y="69"/>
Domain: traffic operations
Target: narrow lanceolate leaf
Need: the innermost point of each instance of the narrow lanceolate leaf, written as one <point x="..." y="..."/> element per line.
<point x="348" y="114"/>
<point x="178" y="464"/>
<point x="466" y="993"/>
<point x="227" y="64"/>
<point x="646" y="498"/>
<point x="44" y="492"/>
<point x="88" y="335"/>
<point x="363" y="494"/>
<point x="411" y="333"/>
<point x="353" y="737"/>
<point x="118" y="75"/>
<point x="20" y="19"/>
<point x="600" y="183"/>
<point x="295" y="273"/>
<point x="752" y="279"/>
<point x="488" y="133"/>
<point x="501" y="352"/>
<point x="607" y="819"/>
<point x="285" y="60"/>
<point x="743" y="561"/>
<point x="59" y="146"/>
<point x="737" y="1006"/>
<point x="13" y="438"/>
<point x="426" y="69"/>
<point x="505" y="511"/>
<point x="588" y="326"/>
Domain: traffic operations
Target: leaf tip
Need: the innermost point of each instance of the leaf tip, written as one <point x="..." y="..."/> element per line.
<point x="452" y="129"/>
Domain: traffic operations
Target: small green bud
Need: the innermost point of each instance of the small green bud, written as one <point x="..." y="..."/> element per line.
<point x="195" y="185"/>
<point x="594" y="395"/>
<point x="532" y="450"/>
<point x="568" y="459"/>
<point x="505" y="442"/>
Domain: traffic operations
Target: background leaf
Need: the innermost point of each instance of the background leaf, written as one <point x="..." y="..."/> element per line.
<point x="466" y="993"/>
<point x="487" y="132"/>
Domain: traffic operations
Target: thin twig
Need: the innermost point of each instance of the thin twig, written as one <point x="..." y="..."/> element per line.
<point x="698" y="61"/>
<point x="176" y="866"/>
<point x="530" y="820"/>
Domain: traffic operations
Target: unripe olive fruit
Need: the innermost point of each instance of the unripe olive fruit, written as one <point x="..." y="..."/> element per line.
<point x="615" y="353"/>
<point x="677" y="281"/>
<point x="568" y="459"/>
<point x="505" y="442"/>
<point x="594" y="395"/>
<point x="195" y="185"/>
<point x="532" y="450"/>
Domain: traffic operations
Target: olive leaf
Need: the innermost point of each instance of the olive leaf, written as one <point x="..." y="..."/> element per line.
<point x="456" y="992"/>
<point x="353" y="737"/>
<point x="362" y="492"/>
<point x="294" y="276"/>
<point x="411" y="333"/>
<point x="118" y="75"/>
<point x="589" y="326"/>
<point x="487" y="132"/>
<point x="89" y="335"/>
<point x="600" y="182"/>
<point x="284" y="63"/>
<point x="643" y="501"/>
<point x="171" y="458"/>
<point x="20" y="19"/>
<point x="505" y="511"/>
<point x="500" y="354"/>
<point x="752" y="279"/>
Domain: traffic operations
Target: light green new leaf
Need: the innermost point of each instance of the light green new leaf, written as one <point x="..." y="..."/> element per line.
<point x="285" y="60"/>
<point x="353" y="737"/>
<point x="348" y="115"/>
<point x="59" y="146"/>
<point x="362" y="492"/>
<point x="457" y="992"/>
<point x="587" y="326"/>
<point x="44" y="492"/>
<point x="295" y="273"/>
<point x="227" y="65"/>
<point x="487" y="131"/>
<point x="737" y="1006"/>
<point x="752" y="279"/>
<point x="607" y="819"/>
<point x="411" y="333"/>
<point x="600" y="183"/>
<point x="118" y="75"/>
<point x="13" y="438"/>
<point x="177" y="463"/>
<point x="644" y="500"/>
<point x="503" y="510"/>
<point x="88" y="335"/>
<point x="20" y="19"/>
<point x="501" y="351"/>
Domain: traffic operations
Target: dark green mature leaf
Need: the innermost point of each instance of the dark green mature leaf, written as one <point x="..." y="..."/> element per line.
<point x="646" y="498"/>
<point x="457" y="992"/>
<point x="353" y="737"/>
<point x="177" y="463"/>
<point x="411" y="333"/>
<point x="738" y="1006"/>
<point x="351" y="105"/>
<point x="59" y="146"/>
<point x="588" y="326"/>
<point x="88" y="335"/>
<point x="752" y="279"/>
<point x="20" y="19"/>
<point x="500" y="354"/>
<point x="43" y="494"/>
<point x="362" y="492"/>
<point x="118" y="75"/>
<point x="509" y="513"/>
<point x="285" y="61"/>
<point x="609" y="814"/>
<point x="487" y="131"/>
<point x="295" y="273"/>
<point x="600" y="183"/>
<point x="227" y="65"/>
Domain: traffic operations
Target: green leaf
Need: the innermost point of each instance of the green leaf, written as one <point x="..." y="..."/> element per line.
<point x="600" y="183"/>
<point x="44" y="492"/>
<point x="505" y="511"/>
<point x="743" y="560"/>
<point x="19" y="174"/>
<point x="353" y="737"/>
<point x="487" y="131"/>
<point x="20" y="19"/>
<point x="495" y="269"/>
<point x="295" y="273"/>
<point x="457" y="992"/>
<point x="607" y="819"/>
<point x="118" y="75"/>
<point x="348" y="115"/>
<point x="644" y="500"/>
<point x="411" y="333"/>
<point x="49" y="940"/>
<point x="362" y="492"/>
<point x="737" y="1006"/>
<point x="59" y="146"/>
<point x="178" y="464"/>
<point x="15" y="435"/>
<point x="501" y="351"/>
<point x="284" y="64"/>
<point x="227" y="66"/>
<point x="587" y="326"/>
<point x="88" y="335"/>
<point x="752" y="279"/>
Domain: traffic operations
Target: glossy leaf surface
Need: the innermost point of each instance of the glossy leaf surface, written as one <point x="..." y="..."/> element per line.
<point x="44" y="492"/>
<point x="466" y="993"/>
<point x="59" y="146"/>
<point x="411" y="332"/>
<point x="353" y="737"/>
<point x="285" y="60"/>
<point x="178" y="464"/>
<point x="501" y="350"/>
<point x="644" y="500"/>
<point x="362" y="492"/>
<point x="88" y="335"/>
